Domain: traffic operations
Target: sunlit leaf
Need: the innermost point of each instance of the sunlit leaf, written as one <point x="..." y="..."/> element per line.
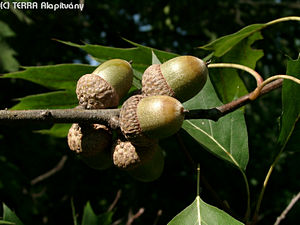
<point x="227" y="138"/>
<point x="155" y="60"/>
<point x="201" y="213"/>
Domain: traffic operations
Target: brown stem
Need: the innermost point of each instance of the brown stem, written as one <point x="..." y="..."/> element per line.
<point x="113" y="204"/>
<point x="132" y="217"/>
<point x="287" y="209"/>
<point x="218" y="112"/>
<point x="104" y="116"/>
<point x="51" y="172"/>
<point x="110" y="116"/>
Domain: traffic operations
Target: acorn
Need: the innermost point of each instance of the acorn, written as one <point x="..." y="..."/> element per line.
<point x="107" y="84"/>
<point x="151" y="169"/>
<point x="92" y="143"/>
<point x="181" y="77"/>
<point x="144" y="119"/>
<point x="128" y="156"/>
<point x="143" y="163"/>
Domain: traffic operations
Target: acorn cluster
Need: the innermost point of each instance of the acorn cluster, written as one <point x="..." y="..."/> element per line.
<point x="144" y="119"/>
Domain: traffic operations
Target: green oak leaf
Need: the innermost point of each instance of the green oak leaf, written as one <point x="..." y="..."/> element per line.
<point x="59" y="130"/>
<point x="227" y="82"/>
<point x="49" y="100"/>
<point x="224" y="44"/>
<point x="10" y="216"/>
<point x="201" y="213"/>
<point x="290" y="103"/>
<point x="5" y="222"/>
<point x="141" y="56"/>
<point x="62" y="76"/>
<point x="90" y="218"/>
<point x="7" y="54"/>
<point x="227" y="138"/>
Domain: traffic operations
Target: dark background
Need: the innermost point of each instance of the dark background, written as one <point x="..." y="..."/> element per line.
<point x="176" y="26"/>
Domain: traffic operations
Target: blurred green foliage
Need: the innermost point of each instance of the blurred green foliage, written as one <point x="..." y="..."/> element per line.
<point x="177" y="26"/>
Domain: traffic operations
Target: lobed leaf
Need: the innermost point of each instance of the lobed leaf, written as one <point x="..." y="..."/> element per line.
<point x="227" y="82"/>
<point x="224" y="44"/>
<point x="199" y="213"/>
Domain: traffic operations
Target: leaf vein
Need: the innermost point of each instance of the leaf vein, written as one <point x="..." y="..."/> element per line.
<point x="217" y="143"/>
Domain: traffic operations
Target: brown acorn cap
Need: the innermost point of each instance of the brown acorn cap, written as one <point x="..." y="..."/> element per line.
<point x="151" y="169"/>
<point x="129" y="123"/>
<point x="154" y="83"/>
<point x="93" y="92"/>
<point x="92" y="144"/>
<point x="127" y="156"/>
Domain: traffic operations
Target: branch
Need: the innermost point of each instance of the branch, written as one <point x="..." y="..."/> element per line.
<point x="288" y="208"/>
<point x="105" y="116"/>
<point x="118" y="196"/>
<point x="132" y="217"/>
<point x="218" y="112"/>
<point x="51" y="172"/>
<point x="110" y="116"/>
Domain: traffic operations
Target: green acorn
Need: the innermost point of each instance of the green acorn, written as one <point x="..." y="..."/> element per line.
<point x="181" y="77"/>
<point x="152" y="117"/>
<point x="151" y="169"/>
<point x="106" y="85"/>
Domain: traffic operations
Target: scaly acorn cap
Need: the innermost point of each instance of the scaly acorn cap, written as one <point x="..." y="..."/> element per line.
<point x="151" y="169"/>
<point x="92" y="144"/>
<point x="93" y="92"/>
<point x="127" y="156"/>
<point x="155" y="117"/>
<point x="106" y="85"/>
<point x="181" y="77"/>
